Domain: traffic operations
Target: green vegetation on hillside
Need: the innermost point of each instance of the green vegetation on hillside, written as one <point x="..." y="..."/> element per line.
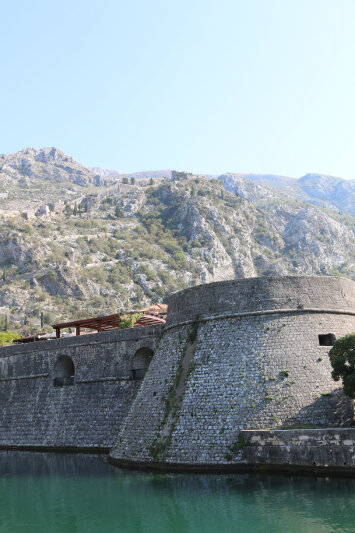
<point x="118" y="251"/>
<point x="6" y="337"/>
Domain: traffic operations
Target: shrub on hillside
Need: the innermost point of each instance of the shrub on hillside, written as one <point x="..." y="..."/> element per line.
<point x="342" y="359"/>
<point x="6" y="337"/>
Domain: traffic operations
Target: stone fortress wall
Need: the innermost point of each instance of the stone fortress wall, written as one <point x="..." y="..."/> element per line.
<point x="238" y="355"/>
<point x="234" y="357"/>
<point x="42" y="406"/>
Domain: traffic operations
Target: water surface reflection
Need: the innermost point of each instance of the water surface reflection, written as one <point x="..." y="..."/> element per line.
<point x="83" y="494"/>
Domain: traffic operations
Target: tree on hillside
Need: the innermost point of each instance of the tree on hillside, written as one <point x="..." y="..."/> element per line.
<point x="68" y="210"/>
<point x="342" y="359"/>
<point x="119" y="212"/>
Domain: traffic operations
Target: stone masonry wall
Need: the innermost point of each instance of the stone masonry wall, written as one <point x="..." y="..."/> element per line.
<point x="261" y="295"/>
<point x="236" y="356"/>
<point x="140" y="431"/>
<point x="88" y="413"/>
<point x="308" y="447"/>
<point x="245" y="373"/>
<point x="250" y="370"/>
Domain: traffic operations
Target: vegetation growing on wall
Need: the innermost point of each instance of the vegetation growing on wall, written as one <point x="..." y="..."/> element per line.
<point x="184" y="368"/>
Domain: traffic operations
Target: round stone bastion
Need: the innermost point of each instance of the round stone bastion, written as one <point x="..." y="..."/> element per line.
<point x="241" y="354"/>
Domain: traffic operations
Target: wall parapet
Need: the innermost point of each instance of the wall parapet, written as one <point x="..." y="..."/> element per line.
<point x="205" y="318"/>
<point x="105" y="337"/>
<point x="263" y="295"/>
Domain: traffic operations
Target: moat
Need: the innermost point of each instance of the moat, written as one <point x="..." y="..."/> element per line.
<point x="65" y="493"/>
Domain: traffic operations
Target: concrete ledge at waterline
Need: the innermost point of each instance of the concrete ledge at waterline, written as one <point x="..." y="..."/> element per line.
<point x="287" y="469"/>
<point x="328" y="448"/>
<point x="317" y="452"/>
<point x="92" y="450"/>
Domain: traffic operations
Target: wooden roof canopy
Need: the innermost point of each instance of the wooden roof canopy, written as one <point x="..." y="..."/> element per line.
<point x="152" y="315"/>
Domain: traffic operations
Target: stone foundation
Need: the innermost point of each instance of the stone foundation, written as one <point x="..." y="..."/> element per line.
<point x="310" y="448"/>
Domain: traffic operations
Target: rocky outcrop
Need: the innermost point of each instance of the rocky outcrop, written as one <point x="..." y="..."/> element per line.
<point x="245" y="188"/>
<point x="43" y="174"/>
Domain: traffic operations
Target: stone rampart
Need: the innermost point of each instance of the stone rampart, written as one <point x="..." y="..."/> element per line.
<point x="85" y="413"/>
<point x="239" y="355"/>
<point x="262" y="296"/>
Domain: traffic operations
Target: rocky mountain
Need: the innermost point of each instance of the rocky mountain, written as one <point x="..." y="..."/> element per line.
<point x="32" y="176"/>
<point x="335" y="191"/>
<point x="107" y="173"/>
<point x="317" y="189"/>
<point x="49" y="174"/>
<point x="107" y="245"/>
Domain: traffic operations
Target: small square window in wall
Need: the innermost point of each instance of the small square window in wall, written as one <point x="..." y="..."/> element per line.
<point x="326" y="339"/>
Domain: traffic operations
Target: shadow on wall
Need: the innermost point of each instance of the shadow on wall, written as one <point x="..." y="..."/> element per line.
<point x="329" y="409"/>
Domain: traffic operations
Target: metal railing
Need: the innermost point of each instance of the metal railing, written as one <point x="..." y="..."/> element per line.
<point x="63" y="381"/>
<point x="138" y="373"/>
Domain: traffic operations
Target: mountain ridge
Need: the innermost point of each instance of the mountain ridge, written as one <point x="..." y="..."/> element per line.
<point x="71" y="248"/>
<point x="318" y="189"/>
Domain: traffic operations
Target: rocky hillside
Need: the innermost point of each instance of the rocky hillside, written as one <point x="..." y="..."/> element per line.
<point x="31" y="177"/>
<point x="111" y="245"/>
<point x="317" y="189"/>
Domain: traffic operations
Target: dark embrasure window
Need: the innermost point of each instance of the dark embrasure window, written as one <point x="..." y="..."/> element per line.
<point x="326" y="339"/>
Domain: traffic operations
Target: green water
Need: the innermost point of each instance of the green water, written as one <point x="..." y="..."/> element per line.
<point x="83" y="494"/>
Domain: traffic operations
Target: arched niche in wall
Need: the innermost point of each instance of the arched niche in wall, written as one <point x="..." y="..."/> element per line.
<point x="140" y="363"/>
<point x="64" y="371"/>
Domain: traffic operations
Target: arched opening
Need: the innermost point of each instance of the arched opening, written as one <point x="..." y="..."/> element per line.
<point x="64" y="371"/>
<point x="141" y="361"/>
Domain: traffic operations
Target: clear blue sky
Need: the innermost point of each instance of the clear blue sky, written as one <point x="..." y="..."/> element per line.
<point x="201" y="85"/>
